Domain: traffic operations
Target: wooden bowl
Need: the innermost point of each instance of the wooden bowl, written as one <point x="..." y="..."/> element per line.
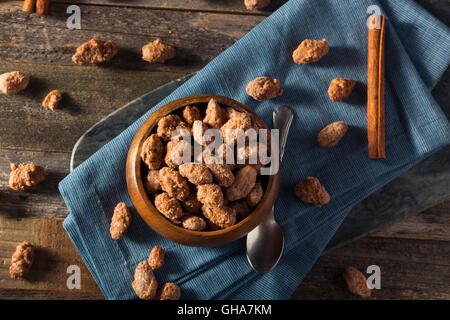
<point x="158" y="222"/>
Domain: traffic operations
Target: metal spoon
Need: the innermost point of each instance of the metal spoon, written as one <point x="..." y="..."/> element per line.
<point x="265" y="243"/>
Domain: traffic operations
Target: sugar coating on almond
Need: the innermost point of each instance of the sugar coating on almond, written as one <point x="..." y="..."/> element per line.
<point x="309" y="190"/>
<point x="26" y="176"/>
<point x="120" y="221"/>
<point x="13" y="82"/>
<point x="144" y="283"/>
<point x="310" y="51"/>
<point x="194" y="223"/>
<point x="94" y="51"/>
<point x="156" y="257"/>
<point x="264" y="88"/>
<point x="332" y="134"/>
<point x="22" y="260"/>
<point x="169" y="291"/>
<point x="152" y="152"/>
<point x="356" y="282"/>
<point x="340" y="89"/>
<point x="157" y="51"/>
<point x="52" y="100"/>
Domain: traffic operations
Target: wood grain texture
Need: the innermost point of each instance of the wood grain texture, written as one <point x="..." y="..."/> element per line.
<point x="197" y="36"/>
<point x="43" y="202"/>
<point x="410" y="269"/>
<point x="229" y="6"/>
<point x="89" y="94"/>
<point x="54" y="253"/>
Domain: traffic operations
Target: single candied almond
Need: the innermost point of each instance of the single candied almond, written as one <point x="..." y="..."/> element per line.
<point x="152" y="152"/>
<point x="340" y="88"/>
<point x="223" y="217"/>
<point x="167" y="125"/>
<point x="310" y="51"/>
<point x="242" y="208"/>
<point x="144" y="283"/>
<point x="173" y="183"/>
<point x="236" y="127"/>
<point x="196" y="173"/>
<point x="332" y="134"/>
<point x="356" y="282"/>
<point x="194" y="223"/>
<point x="198" y="131"/>
<point x="255" y="195"/>
<point x="26" y="176"/>
<point x="157" y="51"/>
<point x="168" y="291"/>
<point x="156" y="258"/>
<point x="13" y="82"/>
<point x="120" y="221"/>
<point x="21" y="260"/>
<point x="191" y="114"/>
<point x="309" y="190"/>
<point x="264" y="88"/>
<point x="222" y="174"/>
<point x="94" y="51"/>
<point x="168" y="206"/>
<point x="215" y="115"/>
<point x="256" y="4"/>
<point x="244" y="182"/>
<point x="52" y="100"/>
<point x="210" y="195"/>
<point x="151" y="182"/>
<point x="192" y="205"/>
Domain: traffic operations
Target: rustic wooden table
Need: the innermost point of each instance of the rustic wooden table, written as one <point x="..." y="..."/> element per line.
<point x="414" y="254"/>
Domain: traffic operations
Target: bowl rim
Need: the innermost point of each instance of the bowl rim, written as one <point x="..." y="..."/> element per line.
<point x="154" y="219"/>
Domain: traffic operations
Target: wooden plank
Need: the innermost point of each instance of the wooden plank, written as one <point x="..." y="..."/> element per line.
<point x="43" y="202"/>
<point x="89" y="94"/>
<point x="54" y="253"/>
<point x="410" y="269"/>
<point x="432" y="224"/>
<point x="197" y="36"/>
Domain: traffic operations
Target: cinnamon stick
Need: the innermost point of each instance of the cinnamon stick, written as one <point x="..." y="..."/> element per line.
<point x="28" y="5"/>
<point x="42" y="7"/>
<point x="375" y="88"/>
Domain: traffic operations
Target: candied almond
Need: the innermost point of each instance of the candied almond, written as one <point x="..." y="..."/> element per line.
<point x="167" y="125"/>
<point x="194" y="223"/>
<point x="21" y="260"/>
<point x="191" y="114"/>
<point x="222" y="174"/>
<point x="356" y="282"/>
<point x="168" y="291"/>
<point x="52" y="100"/>
<point x="13" y="82"/>
<point x="255" y="195"/>
<point x="151" y="182"/>
<point x="144" y="283"/>
<point x="236" y="127"/>
<point x="120" y="221"/>
<point x="215" y="115"/>
<point x="210" y="195"/>
<point x="152" y="152"/>
<point x="332" y="134"/>
<point x="244" y="182"/>
<point x="173" y="183"/>
<point x="26" y="176"/>
<point x="157" y="51"/>
<point x="156" y="258"/>
<point x="196" y="173"/>
<point x="340" y="88"/>
<point x="168" y="206"/>
<point x="178" y="152"/>
<point x="223" y="217"/>
<point x="242" y="208"/>
<point x="192" y="205"/>
<point x="310" y="51"/>
<point x="94" y="51"/>
<point x="309" y="190"/>
<point x="264" y="88"/>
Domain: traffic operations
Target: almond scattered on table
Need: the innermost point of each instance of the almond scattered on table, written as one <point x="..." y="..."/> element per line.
<point x="52" y="100"/>
<point x="26" y="176"/>
<point x="309" y="190"/>
<point x="332" y="134"/>
<point x="310" y="51"/>
<point x="264" y="88"/>
<point x="356" y="282"/>
<point x="157" y="51"/>
<point x="22" y="260"/>
<point x="13" y="82"/>
<point x="120" y="221"/>
<point x="95" y="51"/>
<point x="340" y="89"/>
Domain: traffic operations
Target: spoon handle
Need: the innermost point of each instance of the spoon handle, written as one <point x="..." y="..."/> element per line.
<point x="282" y="119"/>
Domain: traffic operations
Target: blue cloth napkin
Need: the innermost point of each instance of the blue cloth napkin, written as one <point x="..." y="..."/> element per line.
<point x="417" y="53"/>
